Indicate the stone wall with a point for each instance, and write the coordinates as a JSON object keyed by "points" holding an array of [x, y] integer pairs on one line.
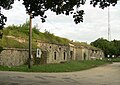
{"points": [[78, 53], [85, 53], [51, 53], [82, 53], [60, 53], [72, 53], [55, 53], [13, 57], [95, 54]]}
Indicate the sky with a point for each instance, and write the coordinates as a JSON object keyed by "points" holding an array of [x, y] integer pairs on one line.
{"points": [[95, 23]]}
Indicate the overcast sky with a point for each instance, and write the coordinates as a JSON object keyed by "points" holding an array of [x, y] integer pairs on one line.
{"points": [[95, 23]]}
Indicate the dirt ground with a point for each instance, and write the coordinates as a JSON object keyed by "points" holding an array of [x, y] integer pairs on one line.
{"points": [[103, 75]]}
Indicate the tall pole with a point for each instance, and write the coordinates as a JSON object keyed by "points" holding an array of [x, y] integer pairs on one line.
{"points": [[109, 31], [30, 42]]}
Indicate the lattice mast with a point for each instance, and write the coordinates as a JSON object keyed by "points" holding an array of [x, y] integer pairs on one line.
{"points": [[109, 31]]}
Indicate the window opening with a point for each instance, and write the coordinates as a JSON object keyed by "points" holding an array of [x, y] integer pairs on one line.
{"points": [[55, 56], [64, 56]]}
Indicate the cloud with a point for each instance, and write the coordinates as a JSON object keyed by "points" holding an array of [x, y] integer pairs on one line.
{"points": [[16, 15]]}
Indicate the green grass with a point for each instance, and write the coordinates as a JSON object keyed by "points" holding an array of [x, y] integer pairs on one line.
{"points": [[11, 43], [112, 59], [115, 59], [22, 31], [63, 67]]}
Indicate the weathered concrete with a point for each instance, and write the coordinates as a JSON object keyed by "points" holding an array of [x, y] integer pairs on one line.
{"points": [[104, 75]]}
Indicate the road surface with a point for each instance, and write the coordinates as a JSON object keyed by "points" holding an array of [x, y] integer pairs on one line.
{"points": [[103, 75]]}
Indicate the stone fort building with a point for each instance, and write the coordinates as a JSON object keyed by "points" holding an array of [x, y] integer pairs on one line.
{"points": [[56, 53], [50, 53]]}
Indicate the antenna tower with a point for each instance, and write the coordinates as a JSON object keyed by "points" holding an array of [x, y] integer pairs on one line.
{"points": [[109, 31]]}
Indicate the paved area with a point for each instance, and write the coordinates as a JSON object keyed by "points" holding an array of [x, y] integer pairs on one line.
{"points": [[103, 75]]}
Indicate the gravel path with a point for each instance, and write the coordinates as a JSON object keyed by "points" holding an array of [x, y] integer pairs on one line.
{"points": [[103, 75]]}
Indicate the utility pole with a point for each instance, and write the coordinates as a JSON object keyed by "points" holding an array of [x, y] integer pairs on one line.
{"points": [[30, 42]]}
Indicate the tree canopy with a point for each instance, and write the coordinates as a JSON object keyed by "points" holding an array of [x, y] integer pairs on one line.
{"points": [[5, 4], [39, 7], [109, 47]]}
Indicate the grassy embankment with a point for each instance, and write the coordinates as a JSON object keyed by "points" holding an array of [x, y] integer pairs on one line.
{"points": [[22, 32], [63, 67]]}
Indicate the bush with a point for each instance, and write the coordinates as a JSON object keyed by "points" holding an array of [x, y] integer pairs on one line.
{"points": [[1, 49]]}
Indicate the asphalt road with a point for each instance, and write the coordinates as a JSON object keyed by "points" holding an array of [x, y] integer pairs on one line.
{"points": [[103, 75]]}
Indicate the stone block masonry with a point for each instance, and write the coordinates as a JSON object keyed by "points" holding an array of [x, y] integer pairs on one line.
{"points": [[13, 57], [50, 53]]}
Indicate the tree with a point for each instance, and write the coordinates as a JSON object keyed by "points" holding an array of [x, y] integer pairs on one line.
{"points": [[103, 3], [102, 44], [2, 23], [39, 7], [116, 43], [5, 4], [109, 47]]}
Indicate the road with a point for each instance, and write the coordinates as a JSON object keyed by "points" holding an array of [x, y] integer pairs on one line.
{"points": [[103, 75]]}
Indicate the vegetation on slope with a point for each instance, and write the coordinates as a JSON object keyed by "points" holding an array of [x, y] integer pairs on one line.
{"points": [[22, 31], [109, 47], [85, 45], [12, 43]]}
